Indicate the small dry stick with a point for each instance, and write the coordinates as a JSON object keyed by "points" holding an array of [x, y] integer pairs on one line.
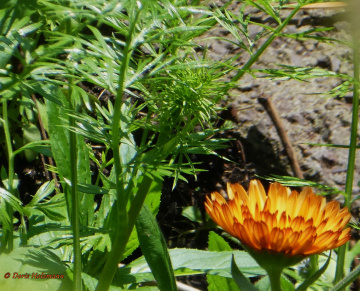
{"points": [[183, 287], [325, 5], [44, 137], [270, 109]]}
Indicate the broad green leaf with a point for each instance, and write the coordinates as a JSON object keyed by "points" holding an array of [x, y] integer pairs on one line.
{"points": [[33, 263], [42, 230], [263, 284], [84, 177], [214, 262], [30, 134], [127, 153], [192, 213], [132, 244], [83, 165], [91, 282], [286, 284], [54, 215], [218, 244], [47, 91], [153, 246], [42, 112], [59, 137], [191, 262], [60, 141]]}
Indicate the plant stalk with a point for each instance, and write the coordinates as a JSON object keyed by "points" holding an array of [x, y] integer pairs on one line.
{"points": [[259, 52], [75, 204], [354, 274], [8, 234], [124, 229], [274, 276], [354, 5], [121, 240]]}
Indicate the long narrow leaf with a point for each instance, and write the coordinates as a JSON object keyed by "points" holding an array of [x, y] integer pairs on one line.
{"points": [[242, 282], [304, 285], [11, 199], [154, 248]]}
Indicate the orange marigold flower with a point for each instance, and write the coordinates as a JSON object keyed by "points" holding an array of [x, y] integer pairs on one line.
{"points": [[282, 222]]}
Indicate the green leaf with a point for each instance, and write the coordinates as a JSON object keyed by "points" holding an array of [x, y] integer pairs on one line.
{"points": [[89, 189], [218, 244], [59, 137], [127, 154], [52, 208], [54, 215], [44, 191], [152, 200], [31, 263], [297, 182], [286, 285], [60, 141], [352, 254], [192, 213], [242, 282], [91, 282], [263, 284], [266, 6], [192, 262], [350, 278], [30, 134], [153, 246], [309, 281], [220, 283], [11, 199], [41, 147]]}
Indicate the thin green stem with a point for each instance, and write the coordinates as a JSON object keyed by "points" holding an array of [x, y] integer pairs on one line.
{"points": [[124, 229], [75, 203], [8, 145], [339, 273], [259, 52], [8, 234], [354, 124], [314, 265], [11, 171], [354, 274], [353, 138]]}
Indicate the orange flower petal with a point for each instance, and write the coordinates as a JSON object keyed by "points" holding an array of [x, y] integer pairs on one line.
{"points": [[291, 223]]}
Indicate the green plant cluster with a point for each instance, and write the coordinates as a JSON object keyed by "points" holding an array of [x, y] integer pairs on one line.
{"points": [[158, 105]]}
